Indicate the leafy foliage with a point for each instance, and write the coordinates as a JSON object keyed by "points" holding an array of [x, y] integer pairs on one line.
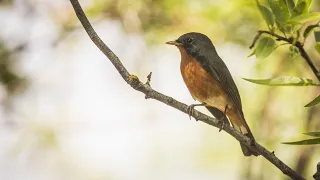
{"points": [[309, 29], [307, 141], [9, 77], [265, 47], [303, 18], [281, 12], [267, 15], [315, 134], [317, 47], [288, 17], [313, 102], [294, 51], [304, 142], [284, 81]]}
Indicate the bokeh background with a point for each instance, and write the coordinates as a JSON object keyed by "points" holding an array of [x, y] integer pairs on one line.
{"points": [[67, 114]]}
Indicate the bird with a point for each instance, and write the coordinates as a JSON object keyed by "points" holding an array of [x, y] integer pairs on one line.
{"points": [[209, 81]]}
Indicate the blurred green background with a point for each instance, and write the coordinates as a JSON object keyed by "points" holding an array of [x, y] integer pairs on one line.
{"points": [[67, 114]]}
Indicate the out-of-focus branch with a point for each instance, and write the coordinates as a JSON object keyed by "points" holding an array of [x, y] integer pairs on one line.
{"points": [[135, 83], [298, 44], [316, 176]]}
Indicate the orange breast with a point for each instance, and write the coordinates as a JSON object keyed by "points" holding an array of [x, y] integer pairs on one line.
{"points": [[201, 84]]}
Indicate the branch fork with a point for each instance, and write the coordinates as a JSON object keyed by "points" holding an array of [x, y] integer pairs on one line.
{"points": [[290, 40]]}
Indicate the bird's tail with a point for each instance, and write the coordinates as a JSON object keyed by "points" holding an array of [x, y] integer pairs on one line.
{"points": [[245, 130], [245, 150]]}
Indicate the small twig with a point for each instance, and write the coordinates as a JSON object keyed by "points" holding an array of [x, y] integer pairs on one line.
{"points": [[307, 58], [148, 83], [278, 37], [298, 44], [134, 82], [149, 79], [255, 39]]}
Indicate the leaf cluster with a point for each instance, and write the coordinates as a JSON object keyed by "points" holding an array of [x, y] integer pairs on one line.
{"points": [[289, 18]]}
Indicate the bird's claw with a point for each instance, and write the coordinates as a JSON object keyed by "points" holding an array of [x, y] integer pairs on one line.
{"points": [[252, 142], [223, 123], [223, 120], [190, 110]]}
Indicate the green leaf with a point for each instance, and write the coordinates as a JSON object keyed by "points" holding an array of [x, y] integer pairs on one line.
{"points": [[274, 4], [284, 81], [253, 53], [315, 134], [265, 46], [294, 51], [266, 14], [281, 12], [302, 6], [313, 102], [298, 34], [286, 12], [309, 29], [291, 5], [304, 142], [305, 18], [284, 8], [317, 47]]}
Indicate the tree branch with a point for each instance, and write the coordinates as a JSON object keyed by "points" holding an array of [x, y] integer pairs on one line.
{"points": [[135, 83], [298, 44]]}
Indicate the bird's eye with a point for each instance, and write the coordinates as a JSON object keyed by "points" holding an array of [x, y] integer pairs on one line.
{"points": [[189, 40]]}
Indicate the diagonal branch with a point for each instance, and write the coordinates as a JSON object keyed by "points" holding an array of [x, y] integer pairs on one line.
{"points": [[298, 44], [135, 83]]}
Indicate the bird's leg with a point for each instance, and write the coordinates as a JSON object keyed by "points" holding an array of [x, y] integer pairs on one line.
{"points": [[223, 119], [191, 108]]}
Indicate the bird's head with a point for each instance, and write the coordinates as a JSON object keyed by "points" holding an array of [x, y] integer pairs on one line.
{"points": [[193, 43]]}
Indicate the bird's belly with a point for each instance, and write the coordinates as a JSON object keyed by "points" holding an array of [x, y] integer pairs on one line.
{"points": [[203, 86]]}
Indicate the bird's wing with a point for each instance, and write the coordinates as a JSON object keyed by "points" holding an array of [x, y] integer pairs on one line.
{"points": [[220, 72], [218, 69]]}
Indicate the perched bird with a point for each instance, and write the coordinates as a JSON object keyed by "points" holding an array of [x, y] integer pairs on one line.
{"points": [[210, 82]]}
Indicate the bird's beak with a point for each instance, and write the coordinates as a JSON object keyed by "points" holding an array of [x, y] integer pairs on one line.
{"points": [[174, 43]]}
